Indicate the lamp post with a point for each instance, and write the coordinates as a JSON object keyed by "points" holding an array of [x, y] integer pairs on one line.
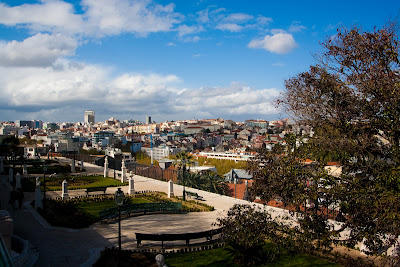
{"points": [[183, 180], [114, 166], [44, 185], [119, 201]]}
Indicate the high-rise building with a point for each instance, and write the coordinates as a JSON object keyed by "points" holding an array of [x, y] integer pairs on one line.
{"points": [[89, 117], [148, 120]]}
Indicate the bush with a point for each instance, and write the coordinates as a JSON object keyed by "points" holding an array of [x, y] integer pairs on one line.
{"points": [[245, 229]]}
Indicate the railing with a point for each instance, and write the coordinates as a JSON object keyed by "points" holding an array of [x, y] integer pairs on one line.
{"points": [[154, 172]]}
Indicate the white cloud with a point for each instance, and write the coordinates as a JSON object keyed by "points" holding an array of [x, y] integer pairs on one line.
{"points": [[46, 16], [65, 91], [101, 17], [221, 19], [261, 20], [185, 30], [238, 17], [191, 39], [279, 43], [141, 17], [296, 27], [237, 99], [232, 27], [40, 50]]}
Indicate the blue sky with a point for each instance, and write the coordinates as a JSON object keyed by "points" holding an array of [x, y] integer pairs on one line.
{"points": [[172, 60]]}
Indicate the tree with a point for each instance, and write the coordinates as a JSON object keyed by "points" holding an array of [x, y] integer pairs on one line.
{"points": [[183, 161], [352, 101], [244, 229], [212, 182]]}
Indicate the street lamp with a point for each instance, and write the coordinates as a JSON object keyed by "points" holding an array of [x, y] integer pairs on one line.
{"points": [[183, 180], [119, 201], [44, 185]]}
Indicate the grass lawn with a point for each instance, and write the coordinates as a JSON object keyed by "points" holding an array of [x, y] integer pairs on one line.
{"points": [[93, 208], [54, 184], [83, 212], [222, 257]]}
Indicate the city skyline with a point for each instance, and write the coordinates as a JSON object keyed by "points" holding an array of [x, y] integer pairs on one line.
{"points": [[174, 60]]}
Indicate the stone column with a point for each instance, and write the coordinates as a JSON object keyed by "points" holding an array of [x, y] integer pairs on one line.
{"points": [[131, 184], [170, 188], [1, 165], [25, 170], [11, 175], [18, 181], [73, 166], [123, 171], [105, 166], [65, 194], [82, 165], [38, 195]]}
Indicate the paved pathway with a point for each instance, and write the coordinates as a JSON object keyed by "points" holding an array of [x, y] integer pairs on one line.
{"points": [[66, 247]]}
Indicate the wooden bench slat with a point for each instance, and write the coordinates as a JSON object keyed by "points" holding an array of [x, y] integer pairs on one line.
{"points": [[172, 237]]}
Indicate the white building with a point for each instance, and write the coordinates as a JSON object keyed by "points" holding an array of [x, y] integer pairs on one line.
{"points": [[89, 117], [161, 151]]}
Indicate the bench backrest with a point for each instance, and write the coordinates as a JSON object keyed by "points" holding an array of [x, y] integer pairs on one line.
{"points": [[171, 237]]}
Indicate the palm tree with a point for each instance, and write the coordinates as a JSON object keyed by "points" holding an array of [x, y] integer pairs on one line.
{"points": [[183, 161], [212, 182]]}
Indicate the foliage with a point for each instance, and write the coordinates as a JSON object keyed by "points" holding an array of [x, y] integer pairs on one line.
{"points": [[207, 181], [8, 145], [90, 151], [351, 100], [245, 229], [66, 214], [111, 257], [223, 166], [223, 257], [141, 157]]}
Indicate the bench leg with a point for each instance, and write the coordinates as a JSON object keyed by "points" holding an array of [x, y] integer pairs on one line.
{"points": [[162, 244]]}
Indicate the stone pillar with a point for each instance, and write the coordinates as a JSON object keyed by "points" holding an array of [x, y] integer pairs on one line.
{"points": [[73, 166], [82, 165], [131, 184], [11, 175], [38, 195], [170, 188], [105, 166], [25, 170], [1, 165], [65, 194], [123, 171], [18, 181]]}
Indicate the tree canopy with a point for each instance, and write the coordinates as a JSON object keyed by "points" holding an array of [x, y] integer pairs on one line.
{"points": [[351, 99]]}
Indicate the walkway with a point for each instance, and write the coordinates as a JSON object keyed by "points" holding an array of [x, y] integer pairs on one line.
{"points": [[67, 247]]}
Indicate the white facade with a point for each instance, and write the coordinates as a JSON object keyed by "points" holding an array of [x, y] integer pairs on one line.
{"points": [[229, 156], [89, 117], [161, 152]]}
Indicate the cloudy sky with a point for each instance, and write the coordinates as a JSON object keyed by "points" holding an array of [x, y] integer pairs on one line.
{"points": [[169, 59]]}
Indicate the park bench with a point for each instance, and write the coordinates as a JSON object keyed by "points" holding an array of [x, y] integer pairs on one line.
{"points": [[95, 189], [129, 209], [195, 195], [172, 237]]}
